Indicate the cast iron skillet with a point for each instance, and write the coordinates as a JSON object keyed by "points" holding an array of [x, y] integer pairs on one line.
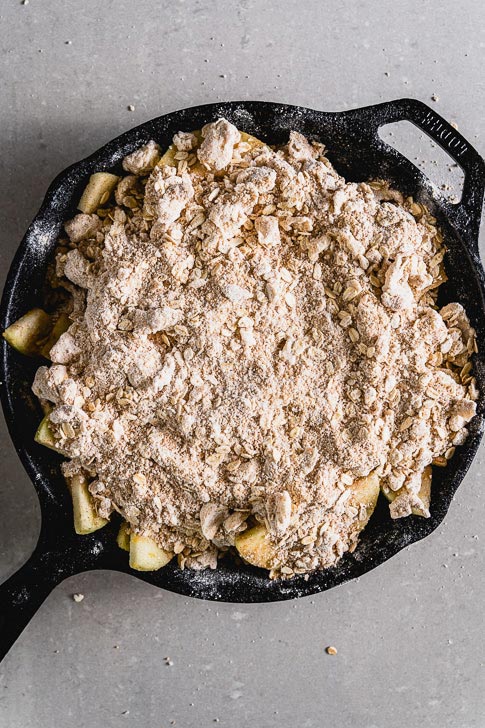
{"points": [[356, 150]]}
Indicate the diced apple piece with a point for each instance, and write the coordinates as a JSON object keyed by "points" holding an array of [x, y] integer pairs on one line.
{"points": [[169, 157], [424, 493], [45, 437], [253, 142], [86, 520], [255, 547], [146, 554], [123, 538], [97, 191], [27, 334], [365, 492], [425, 490], [60, 327], [35, 333]]}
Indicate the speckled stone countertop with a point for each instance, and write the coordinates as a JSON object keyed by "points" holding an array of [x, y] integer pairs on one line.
{"points": [[409, 635]]}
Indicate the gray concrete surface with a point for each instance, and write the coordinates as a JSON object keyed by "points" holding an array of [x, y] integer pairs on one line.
{"points": [[410, 634]]}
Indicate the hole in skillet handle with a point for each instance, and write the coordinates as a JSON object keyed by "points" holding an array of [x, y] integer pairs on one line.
{"points": [[444, 173], [464, 216]]}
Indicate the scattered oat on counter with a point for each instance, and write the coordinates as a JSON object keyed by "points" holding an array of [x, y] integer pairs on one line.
{"points": [[435, 97], [78, 597], [130, 107], [331, 650]]}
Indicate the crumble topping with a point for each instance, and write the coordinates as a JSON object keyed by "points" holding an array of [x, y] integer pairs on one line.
{"points": [[248, 342]]}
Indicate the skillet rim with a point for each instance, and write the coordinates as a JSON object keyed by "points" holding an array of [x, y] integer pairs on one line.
{"points": [[262, 589]]}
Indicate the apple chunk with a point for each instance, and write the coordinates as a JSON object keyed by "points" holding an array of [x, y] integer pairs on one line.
{"points": [[365, 492], [123, 538], [97, 192], [424, 493], [146, 554], [86, 520], [44, 436], [26, 335], [255, 547]]}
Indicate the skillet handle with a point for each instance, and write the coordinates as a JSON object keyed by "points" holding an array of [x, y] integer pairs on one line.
{"points": [[23, 593], [465, 215]]}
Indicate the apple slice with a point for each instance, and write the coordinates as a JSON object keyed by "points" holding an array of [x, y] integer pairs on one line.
{"points": [[168, 159], [86, 520], [27, 334], [97, 192], [123, 538], [365, 492], [60, 327], [424, 493], [255, 547], [146, 554], [44, 436]]}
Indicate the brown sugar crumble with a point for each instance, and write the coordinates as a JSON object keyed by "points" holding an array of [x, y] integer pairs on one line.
{"points": [[251, 334]]}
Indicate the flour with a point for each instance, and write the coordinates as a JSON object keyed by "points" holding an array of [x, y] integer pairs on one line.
{"points": [[218, 140], [248, 342]]}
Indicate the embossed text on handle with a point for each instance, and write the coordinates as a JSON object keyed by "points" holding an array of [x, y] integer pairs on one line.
{"points": [[441, 132]]}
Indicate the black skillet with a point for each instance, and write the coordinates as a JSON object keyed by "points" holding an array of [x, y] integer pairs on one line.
{"points": [[356, 150]]}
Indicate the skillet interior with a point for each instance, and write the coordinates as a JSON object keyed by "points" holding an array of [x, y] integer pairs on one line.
{"points": [[358, 154]]}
